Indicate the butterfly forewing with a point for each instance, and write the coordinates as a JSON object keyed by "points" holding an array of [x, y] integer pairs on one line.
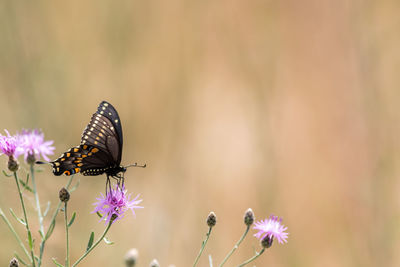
{"points": [[100, 149]]}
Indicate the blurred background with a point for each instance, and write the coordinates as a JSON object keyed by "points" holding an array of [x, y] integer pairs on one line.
{"points": [[287, 107]]}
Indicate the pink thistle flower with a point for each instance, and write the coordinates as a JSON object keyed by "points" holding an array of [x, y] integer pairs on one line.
{"points": [[271, 228], [32, 142], [10, 145], [113, 206]]}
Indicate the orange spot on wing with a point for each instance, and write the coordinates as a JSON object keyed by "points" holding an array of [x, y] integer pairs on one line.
{"points": [[94, 150], [67, 173], [77, 170]]}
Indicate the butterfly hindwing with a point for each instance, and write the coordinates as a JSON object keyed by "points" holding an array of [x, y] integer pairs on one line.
{"points": [[82, 159]]}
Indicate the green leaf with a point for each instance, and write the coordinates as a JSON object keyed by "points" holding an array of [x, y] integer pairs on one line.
{"points": [[50, 230], [72, 219], [108, 242], [19, 259], [30, 240], [56, 263], [6, 174], [26, 186], [41, 234], [18, 219], [99, 214], [74, 187], [47, 209], [90, 243]]}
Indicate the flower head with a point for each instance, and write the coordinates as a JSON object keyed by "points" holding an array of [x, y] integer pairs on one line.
{"points": [[271, 228], [113, 206], [33, 144], [10, 145]]}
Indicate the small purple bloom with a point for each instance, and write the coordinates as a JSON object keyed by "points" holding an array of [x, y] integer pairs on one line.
{"points": [[116, 202], [10, 145], [272, 228], [32, 142]]}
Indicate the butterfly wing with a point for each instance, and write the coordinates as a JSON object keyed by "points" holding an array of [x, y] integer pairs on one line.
{"points": [[85, 159], [101, 145], [105, 132]]}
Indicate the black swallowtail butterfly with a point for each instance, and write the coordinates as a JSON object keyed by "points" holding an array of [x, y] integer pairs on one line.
{"points": [[100, 149]]}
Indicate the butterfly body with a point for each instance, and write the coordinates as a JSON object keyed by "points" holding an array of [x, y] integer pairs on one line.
{"points": [[100, 150]]}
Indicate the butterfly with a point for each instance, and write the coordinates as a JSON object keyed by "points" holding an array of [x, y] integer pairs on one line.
{"points": [[100, 150]]}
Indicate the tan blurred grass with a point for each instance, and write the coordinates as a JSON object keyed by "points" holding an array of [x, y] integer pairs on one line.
{"points": [[287, 107]]}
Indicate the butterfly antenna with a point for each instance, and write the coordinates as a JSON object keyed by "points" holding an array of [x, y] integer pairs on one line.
{"points": [[42, 162], [137, 165]]}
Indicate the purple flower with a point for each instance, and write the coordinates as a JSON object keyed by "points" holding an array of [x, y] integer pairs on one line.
{"points": [[272, 228], [10, 145], [32, 142], [115, 203]]}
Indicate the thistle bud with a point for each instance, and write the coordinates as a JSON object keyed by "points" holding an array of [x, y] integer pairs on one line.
{"points": [[64, 195], [249, 217], [31, 159], [13, 165], [14, 263], [211, 219], [266, 242], [113, 217], [154, 263], [131, 257]]}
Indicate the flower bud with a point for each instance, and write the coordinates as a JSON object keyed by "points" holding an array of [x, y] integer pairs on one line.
{"points": [[154, 263], [266, 242], [131, 257], [64, 195], [249, 217], [113, 217], [31, 159], [13, 165], [14, 263], [211, 219]]}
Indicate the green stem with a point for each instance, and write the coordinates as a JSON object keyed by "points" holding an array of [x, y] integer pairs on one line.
{"points": [[93, 246], [66, 231], [252, 258], [26, 220], [203, 245], [14, 233], [39, 211], [37, 199], [236, 246], [53, 218]]}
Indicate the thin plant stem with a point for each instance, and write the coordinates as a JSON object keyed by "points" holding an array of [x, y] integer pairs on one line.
{"points": [[66, 232], [14, 233], [236, 246], [203, 245], [53, 219], [252, 258], [95, 244], [37, 199], [26, 220]]}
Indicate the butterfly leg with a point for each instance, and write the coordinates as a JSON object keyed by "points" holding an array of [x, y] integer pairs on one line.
{"points": [[108, 185]]}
